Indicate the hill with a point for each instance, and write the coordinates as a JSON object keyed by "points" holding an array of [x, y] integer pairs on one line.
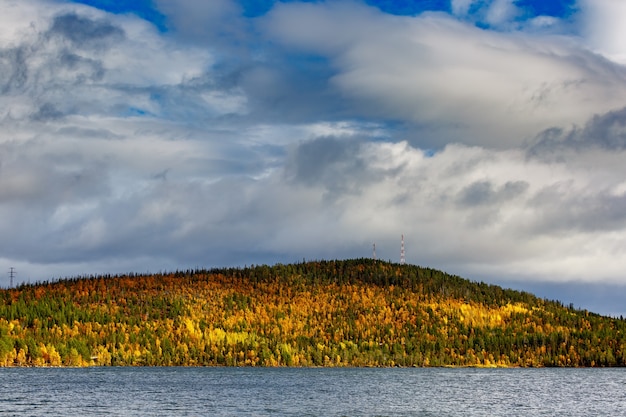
{"points": [[325, 313]]}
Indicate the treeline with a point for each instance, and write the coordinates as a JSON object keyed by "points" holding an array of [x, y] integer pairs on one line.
{"points": [[325, 313]]}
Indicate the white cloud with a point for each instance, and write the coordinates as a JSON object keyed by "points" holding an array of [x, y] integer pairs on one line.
{"points": [[603, 27], [501, 12], [94, 111], [466, 84], [495, 14], [475, 210], [461, 8]]}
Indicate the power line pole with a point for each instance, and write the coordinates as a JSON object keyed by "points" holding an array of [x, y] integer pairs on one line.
{"points": [[12, 275]]}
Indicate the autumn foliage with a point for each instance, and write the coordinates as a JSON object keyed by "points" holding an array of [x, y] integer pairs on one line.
{"points": [[325, 313]]}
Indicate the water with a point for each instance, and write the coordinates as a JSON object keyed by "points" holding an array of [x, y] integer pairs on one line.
{"points": [[312, 392]]}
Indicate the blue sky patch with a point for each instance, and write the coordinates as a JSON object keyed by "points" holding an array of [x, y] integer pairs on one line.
{"points": [[142, 8], [253, 8], [555, 8]]}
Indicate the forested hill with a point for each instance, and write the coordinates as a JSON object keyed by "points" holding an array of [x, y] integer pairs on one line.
{"points": [[325, 313]]}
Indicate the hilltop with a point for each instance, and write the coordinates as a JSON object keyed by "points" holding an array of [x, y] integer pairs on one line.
{"points": [[322, 313]]}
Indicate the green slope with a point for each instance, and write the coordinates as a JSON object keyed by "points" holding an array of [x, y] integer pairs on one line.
{"points": [[324, 313]]}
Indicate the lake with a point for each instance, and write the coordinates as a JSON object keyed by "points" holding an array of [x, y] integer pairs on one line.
{"points": [[311, 392]]}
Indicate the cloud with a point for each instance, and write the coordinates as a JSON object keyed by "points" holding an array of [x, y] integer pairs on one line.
{"points": [[87, 108], [83, 32], [509, 15], [483, 192], [204, 22], [482, 211], [451, 80], [501, 12], [603, 132], [603, 28], [330, 162], [462, 7], [310, 132], [84, 64], [494, 13]]}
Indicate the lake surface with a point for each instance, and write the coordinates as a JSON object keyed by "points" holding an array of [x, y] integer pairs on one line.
{"points": [[312, 392]]}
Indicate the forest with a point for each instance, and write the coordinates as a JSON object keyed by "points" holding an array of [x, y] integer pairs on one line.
{"points": [[353, 313]]}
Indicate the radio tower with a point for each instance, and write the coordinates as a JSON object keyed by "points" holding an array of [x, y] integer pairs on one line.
{"points": [[402, 258], [374, 252], [11, 275]]}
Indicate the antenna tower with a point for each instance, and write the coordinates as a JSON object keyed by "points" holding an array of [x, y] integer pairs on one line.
{"points": [[402, 257], [11, 275], [374, 252]]}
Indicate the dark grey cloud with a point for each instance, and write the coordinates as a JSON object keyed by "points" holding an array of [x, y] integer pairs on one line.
{"points": [[294, 89], [605, 131], [335, 164], [325, 159], [563, 209], [50, 67], [216, 22], [28, 178], [13, 69], [79, 132], [486, 193], [87, 69], [84, 32], [47, 111]]}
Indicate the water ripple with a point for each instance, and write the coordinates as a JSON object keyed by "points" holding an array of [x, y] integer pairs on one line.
{"points": [[261, 392]]}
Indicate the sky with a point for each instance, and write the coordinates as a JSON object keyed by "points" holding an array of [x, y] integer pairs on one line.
{"points": [[148, 136]]}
